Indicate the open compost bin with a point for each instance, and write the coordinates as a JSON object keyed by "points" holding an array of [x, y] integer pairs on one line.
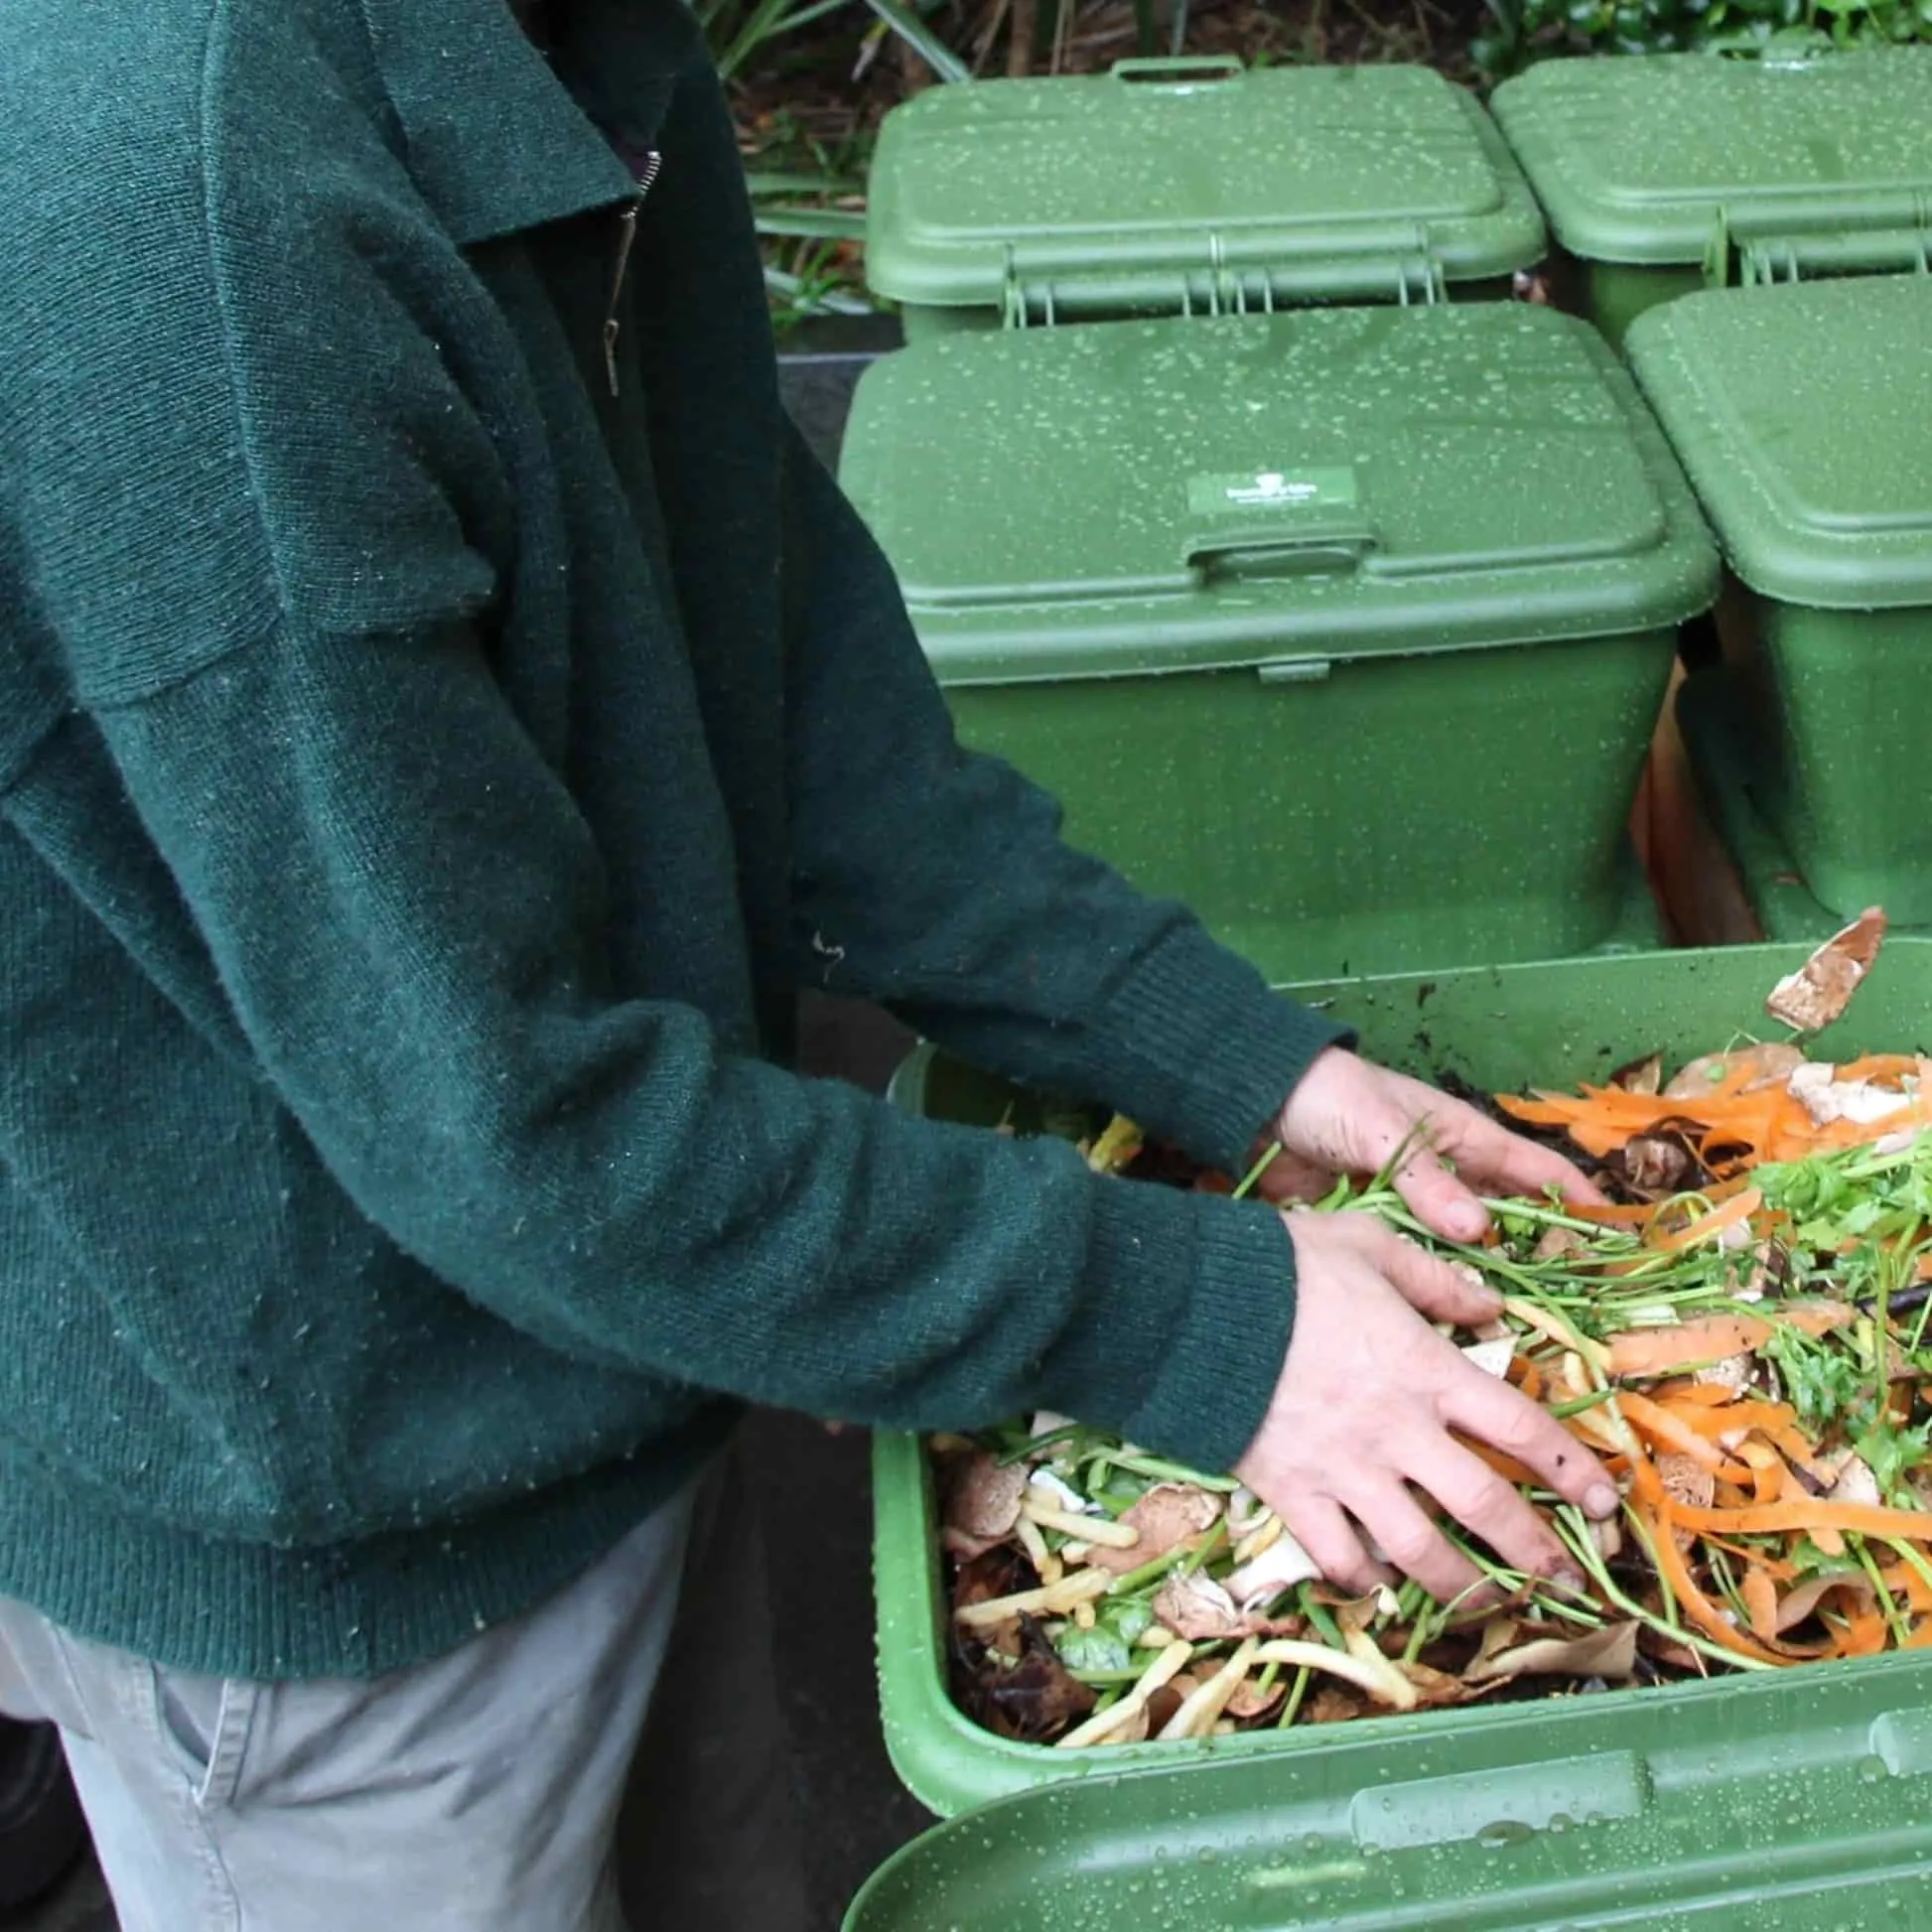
{"points": [[1784, 1798]]}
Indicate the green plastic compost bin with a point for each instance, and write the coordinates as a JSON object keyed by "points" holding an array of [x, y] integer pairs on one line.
{"points": [[1666, 175], [1349, 625], [1191, 187], [1784, 1806], [1778, 897], [1797, 1799], [1803, 414]]}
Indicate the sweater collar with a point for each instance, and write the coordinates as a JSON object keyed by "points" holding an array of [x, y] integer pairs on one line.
{"points": [[501, 138]]}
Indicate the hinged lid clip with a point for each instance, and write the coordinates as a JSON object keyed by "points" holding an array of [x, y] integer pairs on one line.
{"points": [[1223, 286], [1897, 241]]}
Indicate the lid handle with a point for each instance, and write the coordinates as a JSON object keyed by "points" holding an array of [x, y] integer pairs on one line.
{"points": [[1179, 69], [1334, 550]]}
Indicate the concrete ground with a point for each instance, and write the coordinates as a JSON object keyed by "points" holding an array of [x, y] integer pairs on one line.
{"points": [[817, 1493]]}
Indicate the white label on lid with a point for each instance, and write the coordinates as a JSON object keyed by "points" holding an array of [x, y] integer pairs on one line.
{"points": [[1285, 490]]}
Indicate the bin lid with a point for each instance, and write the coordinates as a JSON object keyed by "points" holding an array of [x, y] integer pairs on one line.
{"points": [[1648, 161], [1257, 490], [1804, 416], [1767, 1804], [1166, 166]]}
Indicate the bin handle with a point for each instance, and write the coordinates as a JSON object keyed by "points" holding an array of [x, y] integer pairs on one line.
{"points": [[1178, 70], [1243, 554]]}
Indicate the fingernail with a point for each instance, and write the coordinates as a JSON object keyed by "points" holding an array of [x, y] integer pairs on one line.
{"points": [[1600, 1500], [1571, 1580]]}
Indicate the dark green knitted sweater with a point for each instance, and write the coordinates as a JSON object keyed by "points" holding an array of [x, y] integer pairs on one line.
{"points": [[445, 715]]}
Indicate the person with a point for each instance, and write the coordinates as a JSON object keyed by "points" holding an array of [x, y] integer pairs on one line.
{"points": [[447, 715]]}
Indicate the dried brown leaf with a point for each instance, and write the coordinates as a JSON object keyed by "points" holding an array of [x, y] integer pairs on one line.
{"points": [[1436, 1690], [1640, 1076], [1036, 1700], [1802, 1599], [1330, 1706], [1609, 1652], [1250, 1702], [984, 1578]]}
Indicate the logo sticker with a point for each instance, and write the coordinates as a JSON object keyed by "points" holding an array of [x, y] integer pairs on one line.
{"points": [[1271, 490]]}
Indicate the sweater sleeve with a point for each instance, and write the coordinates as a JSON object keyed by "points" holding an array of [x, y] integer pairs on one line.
{"points": [[935, 879], [403, 907]]}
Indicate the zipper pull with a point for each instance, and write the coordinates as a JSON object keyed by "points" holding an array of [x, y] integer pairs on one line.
{"points": [[627, 240]]}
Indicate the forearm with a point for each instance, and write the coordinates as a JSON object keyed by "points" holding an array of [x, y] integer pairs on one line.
{"points": [[936, 881]]}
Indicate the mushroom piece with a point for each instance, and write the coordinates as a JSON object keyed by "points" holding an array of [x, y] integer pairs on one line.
{"points": [[1168, 1515]]}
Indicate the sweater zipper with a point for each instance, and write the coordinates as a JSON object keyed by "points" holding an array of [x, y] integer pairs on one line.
{"points": [[626, 237]]}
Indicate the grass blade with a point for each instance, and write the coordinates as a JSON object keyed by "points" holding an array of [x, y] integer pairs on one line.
{"points": [[922, 40], [764, 182], [816, 223]]}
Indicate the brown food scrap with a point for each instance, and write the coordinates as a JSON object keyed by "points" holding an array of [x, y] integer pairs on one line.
{"points": [[1250, 1702], [1169, 1699], [1198, 1609], [1556, 1242], [1034, 1700], [1436, 1690], [1332, 1706], [1656, 1163], [1168, 1515], [1822, 988], [1640, 1076], [996, 1573], [1608, 1652], [1733, 1372], [983, 1499], [1767, 1065], [1801, 1602], [1686, 1481]]}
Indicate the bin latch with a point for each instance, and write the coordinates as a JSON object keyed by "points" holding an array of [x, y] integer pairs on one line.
{"points": [[1746, 251], [1221, 283]]}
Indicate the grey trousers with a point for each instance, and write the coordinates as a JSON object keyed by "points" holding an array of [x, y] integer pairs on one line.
{"points": [[608, 1761]]}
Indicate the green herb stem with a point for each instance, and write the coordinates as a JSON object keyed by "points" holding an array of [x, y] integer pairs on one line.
{"points": [[1296, 1693]]}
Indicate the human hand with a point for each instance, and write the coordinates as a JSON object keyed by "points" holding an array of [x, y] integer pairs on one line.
{"points": [[1349, 1116], [1364, 1409]]}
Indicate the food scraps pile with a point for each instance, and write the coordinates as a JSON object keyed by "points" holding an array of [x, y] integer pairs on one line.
{"points": [[1742, 1336]]}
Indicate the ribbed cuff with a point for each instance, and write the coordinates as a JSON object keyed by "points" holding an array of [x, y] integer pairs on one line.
{"points": [[1200, 1051], [1181, 1338]]}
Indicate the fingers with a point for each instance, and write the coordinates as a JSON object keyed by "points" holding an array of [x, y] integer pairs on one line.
{"points": [[1494, 1413], [1441, 1201], [1493, 1510], [1428, 1283], [1506, 1162], [1291, 1177], [1403, 1531], [1323, 1530]]}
